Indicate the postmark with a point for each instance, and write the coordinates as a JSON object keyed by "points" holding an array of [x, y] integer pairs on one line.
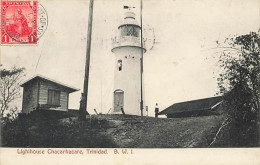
{"points": [[42, 21], [23, 22]]}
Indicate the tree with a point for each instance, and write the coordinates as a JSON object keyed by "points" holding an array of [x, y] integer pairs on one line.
{"points": [[239, 84], [10, 91]]}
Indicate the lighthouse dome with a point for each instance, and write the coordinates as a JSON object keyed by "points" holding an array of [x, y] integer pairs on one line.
{"points": [[129, 19], [130, 14]]}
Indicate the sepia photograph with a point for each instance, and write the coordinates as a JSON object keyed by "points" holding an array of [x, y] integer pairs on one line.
{"points": [[107, 76]]}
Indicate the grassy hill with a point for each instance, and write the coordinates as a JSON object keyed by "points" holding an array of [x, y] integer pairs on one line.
{"points": [[107, 131]]}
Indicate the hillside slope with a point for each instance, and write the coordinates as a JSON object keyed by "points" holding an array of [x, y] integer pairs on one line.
{"points": [[112, 131], [146, 132]]}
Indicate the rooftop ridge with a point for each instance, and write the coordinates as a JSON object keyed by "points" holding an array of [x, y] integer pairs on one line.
{"points": [[48, 79], [197, 100]]}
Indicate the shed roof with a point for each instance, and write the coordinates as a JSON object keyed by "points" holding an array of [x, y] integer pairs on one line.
{"points": [[194, 105], [40, 77]]}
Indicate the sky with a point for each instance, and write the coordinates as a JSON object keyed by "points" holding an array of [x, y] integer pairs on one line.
{"points": [[179, 64]]}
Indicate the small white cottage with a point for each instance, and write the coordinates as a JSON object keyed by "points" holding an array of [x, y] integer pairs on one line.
{"points": [[40, 92]]}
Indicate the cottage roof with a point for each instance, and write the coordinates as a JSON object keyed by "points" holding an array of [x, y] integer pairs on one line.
{"points": [[40, 77], [194, 105]]}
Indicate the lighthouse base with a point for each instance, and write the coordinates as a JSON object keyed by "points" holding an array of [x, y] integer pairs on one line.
{"points": [[116, 113]]}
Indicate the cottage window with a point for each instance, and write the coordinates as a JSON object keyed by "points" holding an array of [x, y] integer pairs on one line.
{"points": [[53, 97]]}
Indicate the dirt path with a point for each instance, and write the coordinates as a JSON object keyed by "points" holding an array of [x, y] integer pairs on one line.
{"points": [[145, 132]]}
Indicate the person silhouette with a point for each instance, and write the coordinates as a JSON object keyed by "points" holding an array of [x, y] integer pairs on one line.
{"points": [[156, 110]]}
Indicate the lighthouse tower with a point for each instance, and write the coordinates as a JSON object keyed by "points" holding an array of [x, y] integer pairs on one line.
{"points": [[128, 52]]}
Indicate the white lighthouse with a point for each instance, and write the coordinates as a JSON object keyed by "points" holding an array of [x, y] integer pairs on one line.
{"points": [[128, 52]]}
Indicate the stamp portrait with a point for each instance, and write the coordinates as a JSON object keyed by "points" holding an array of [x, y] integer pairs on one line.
{"points": [[19, 22]]}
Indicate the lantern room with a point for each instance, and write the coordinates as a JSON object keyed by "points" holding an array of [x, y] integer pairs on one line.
{"points": [[129, 33], [130, 26]]}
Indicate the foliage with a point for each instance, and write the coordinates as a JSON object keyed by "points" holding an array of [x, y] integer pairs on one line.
{"points": [[41, 131], [10, 91], [239, 85], [10, 116]]}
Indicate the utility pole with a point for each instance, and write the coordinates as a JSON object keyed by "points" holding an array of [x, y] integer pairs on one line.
{"points": [[83, 102], [141, 60]]}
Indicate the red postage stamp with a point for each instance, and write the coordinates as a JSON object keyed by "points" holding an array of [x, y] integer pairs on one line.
{"points": [[19, 22]]}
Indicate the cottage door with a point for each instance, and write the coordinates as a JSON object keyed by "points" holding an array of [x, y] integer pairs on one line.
{"points": [[118, 100]]}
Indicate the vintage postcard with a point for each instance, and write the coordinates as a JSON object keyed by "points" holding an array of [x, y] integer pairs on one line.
{"points": [[130, 82]]}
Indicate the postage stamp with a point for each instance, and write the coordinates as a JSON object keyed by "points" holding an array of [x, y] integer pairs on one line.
{"points": [[19, 22]]}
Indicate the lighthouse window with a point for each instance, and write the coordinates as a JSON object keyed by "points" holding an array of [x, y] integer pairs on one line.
{"points": [[130, 31], [119, 65]]}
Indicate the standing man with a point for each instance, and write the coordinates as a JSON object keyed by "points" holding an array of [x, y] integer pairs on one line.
{"points": [[156, 110], [22, 19]]}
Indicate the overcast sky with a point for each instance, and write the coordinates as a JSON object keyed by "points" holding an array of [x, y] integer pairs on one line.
{"points": [[178, 65]]}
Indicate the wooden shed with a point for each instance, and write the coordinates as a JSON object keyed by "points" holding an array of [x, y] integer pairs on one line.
{"points": [[40, 92], [201, 107]]}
